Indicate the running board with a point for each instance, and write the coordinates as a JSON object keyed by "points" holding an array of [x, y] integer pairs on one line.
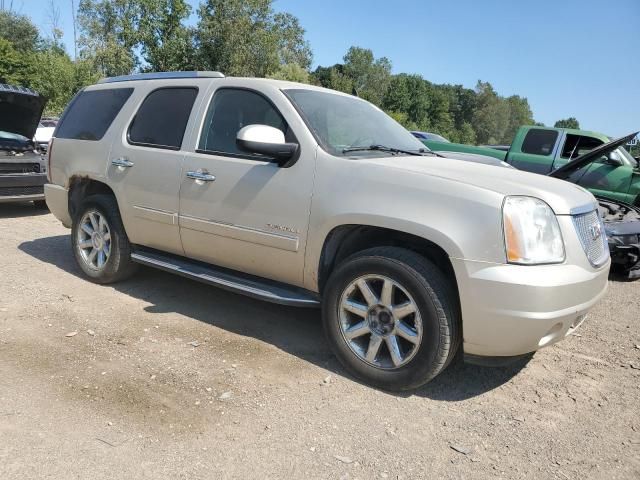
{"points": [[244, 284]]}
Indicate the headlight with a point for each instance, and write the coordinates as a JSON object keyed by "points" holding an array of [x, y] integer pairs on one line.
{"points": [[531, 232]]}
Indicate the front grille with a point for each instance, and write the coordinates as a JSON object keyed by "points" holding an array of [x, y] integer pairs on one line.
{"points": [[592, 237], [16, 191], [19, 168]]}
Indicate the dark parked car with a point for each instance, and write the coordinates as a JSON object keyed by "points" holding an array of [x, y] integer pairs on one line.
{"points": [[23, 169]]}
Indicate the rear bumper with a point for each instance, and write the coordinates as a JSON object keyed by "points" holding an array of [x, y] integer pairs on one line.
{"points": [[22, 187], [511, 310], [58, 202]]}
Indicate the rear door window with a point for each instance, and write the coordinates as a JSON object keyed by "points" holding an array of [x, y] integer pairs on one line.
{"points": [[539, 141], [162, 118], [91, 113]]}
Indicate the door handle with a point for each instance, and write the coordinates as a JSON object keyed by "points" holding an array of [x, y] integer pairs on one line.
{"points": [[122, 162], [201, 176]]}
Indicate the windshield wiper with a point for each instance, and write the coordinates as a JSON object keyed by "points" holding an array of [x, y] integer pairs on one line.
{"points": [[381, 148]]}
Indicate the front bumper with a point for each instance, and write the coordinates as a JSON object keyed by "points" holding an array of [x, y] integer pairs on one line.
{"points": [[510, 310], [22, 187]]}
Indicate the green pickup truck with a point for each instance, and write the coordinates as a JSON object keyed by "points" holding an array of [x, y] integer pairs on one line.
{"points": [[543, 150]]}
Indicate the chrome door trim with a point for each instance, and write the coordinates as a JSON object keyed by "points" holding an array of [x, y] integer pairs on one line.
{"points": [[246, 234], [155, 215]]}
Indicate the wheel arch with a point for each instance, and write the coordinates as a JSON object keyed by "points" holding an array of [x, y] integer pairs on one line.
{"points": [[345, 240], [80, 187]]}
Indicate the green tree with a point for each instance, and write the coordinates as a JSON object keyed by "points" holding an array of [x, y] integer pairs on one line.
{"points": [[570, 122], [20, 31], [292, 72], [332, 77], [165, 42], [403, 119], [109, 34], [398, 97], [440, 119], [247, 38], [489, 117], [370, 77], [464, 134], [14, 67], [519, 114]]}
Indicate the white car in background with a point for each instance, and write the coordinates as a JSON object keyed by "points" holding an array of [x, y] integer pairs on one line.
{"points": [[44, 132]]}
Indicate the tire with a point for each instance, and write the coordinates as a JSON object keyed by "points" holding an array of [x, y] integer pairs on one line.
{"points": [[112, 261], [433, 327], [40, 204]]}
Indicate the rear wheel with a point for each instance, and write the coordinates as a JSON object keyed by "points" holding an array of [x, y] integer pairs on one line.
{"points": [[391, 317], [100, 243]]}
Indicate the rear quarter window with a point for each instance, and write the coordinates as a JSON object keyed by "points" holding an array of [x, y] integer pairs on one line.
{"points": [[162, 118], [91, 113], [539, 141]]}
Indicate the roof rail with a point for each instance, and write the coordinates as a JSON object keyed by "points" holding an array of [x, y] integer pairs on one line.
{"points": [[161, 76]]}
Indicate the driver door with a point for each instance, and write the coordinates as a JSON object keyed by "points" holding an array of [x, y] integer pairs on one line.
{"points": [[249, 214]]}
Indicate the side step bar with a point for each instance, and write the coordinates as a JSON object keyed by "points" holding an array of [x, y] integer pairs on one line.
{"points": [[249, 285]]}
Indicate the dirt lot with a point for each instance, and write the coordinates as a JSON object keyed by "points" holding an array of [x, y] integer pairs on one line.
{"points": [[160, 377]]}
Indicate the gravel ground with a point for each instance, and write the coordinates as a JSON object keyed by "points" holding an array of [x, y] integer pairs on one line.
{"points": [[161, 377]]}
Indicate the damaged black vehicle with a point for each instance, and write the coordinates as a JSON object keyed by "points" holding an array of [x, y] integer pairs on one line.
{"points": [[23, 168], [622, 225], [621, 220]]}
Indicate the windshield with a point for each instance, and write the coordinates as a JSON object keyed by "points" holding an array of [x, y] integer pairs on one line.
{"points": [[341, 122]]}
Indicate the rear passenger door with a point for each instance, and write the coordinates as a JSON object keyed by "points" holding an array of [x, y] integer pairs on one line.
{"points": [[144, 166]]}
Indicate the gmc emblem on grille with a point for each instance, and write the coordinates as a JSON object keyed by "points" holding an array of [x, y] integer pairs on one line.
{"points": [[596, 231]]}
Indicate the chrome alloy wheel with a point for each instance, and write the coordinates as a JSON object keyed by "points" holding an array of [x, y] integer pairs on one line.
{"points": [[380, 321], [94, 239]]}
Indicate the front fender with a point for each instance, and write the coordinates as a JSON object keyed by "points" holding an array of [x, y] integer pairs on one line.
{"points": [[462, 219]]}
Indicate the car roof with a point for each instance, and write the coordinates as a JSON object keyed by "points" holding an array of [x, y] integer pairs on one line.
{"points": [[160, 79]]}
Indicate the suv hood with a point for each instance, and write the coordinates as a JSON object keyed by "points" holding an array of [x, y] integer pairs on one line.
{"points": [[561, 196], [567, 169], [20, 110]]}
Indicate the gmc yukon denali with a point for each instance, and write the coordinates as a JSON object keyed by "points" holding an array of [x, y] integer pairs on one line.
{"points": [[304, 196]]}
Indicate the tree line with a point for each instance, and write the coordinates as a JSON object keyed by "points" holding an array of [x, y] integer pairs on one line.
{"points": [[241, 38]]}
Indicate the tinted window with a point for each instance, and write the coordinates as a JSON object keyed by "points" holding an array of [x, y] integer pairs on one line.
{"points": [[539, 142], [91, 112], [162, 118], [229, 111]]}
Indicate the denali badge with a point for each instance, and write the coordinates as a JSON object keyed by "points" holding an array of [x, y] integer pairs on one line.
{"points": [[595, 230], [282, 228]]}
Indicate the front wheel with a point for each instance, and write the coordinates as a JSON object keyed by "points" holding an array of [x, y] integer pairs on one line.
{"points": [[391, 317], [99, 241]]}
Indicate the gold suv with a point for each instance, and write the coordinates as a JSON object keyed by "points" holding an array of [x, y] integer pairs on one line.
{"points": [[305, 196]]}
